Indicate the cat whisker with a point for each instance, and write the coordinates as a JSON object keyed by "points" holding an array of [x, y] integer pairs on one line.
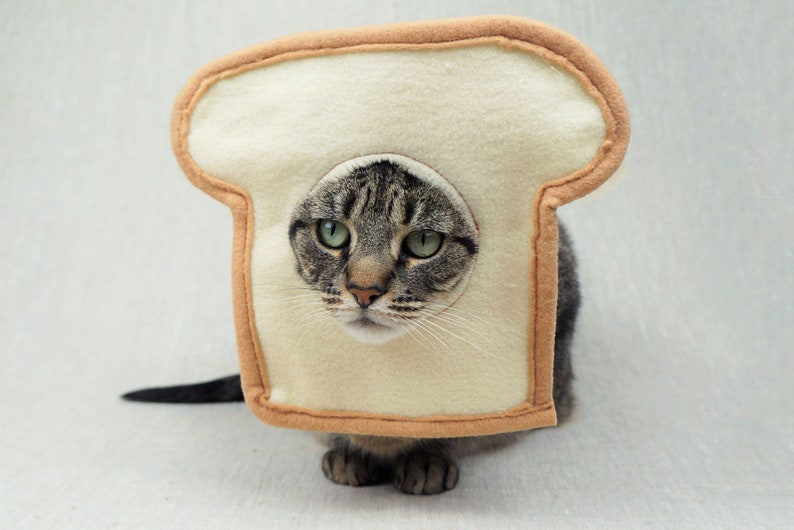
{"points": [[282, 287], [420, 325], [470, 321], [313, 315], [302, 304], [413, 330], [310, 326], [317, 317], [461, 313], [408, 330], [307, 296], [463, 324], [462, 339]]}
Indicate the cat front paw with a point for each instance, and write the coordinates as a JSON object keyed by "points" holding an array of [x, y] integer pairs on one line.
{"points": [[352, 468], [425, 474]]}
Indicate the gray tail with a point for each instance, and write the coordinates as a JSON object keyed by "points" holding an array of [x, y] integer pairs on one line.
{"points": [[217, 391]]}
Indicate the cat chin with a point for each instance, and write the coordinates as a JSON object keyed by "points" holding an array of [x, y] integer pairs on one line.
{"points": [[369, 332]]}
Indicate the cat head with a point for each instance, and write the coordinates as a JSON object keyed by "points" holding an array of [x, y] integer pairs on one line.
{"points": [[386, 243]]}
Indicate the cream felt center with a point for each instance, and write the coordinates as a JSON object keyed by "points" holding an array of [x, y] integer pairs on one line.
{"points": [[494, 122]]}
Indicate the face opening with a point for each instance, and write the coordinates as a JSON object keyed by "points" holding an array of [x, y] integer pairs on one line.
{"points": [[386, 242]]}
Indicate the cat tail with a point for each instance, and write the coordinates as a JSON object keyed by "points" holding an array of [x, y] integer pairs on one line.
{"points": [[220, 390]]}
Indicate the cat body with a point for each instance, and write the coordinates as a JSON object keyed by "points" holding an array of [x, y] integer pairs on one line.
{"points": [[385, 251]]}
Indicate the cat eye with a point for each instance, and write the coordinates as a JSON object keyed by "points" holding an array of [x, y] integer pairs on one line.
{"points": [[333, 233], [423, 243]]}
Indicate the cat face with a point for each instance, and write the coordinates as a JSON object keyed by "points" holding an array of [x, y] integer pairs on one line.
{"points": [[383, 247]]}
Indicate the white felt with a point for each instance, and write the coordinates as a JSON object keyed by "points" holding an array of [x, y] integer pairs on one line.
{"points": [[496, 123]]}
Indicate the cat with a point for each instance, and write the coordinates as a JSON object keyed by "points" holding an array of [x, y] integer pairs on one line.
{"points": [[384, 250]]}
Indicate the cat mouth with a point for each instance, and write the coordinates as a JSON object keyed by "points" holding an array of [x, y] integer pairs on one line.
{"points": [[366, 329], [364, 322]]}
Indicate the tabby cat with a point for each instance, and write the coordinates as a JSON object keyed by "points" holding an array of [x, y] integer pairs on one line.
{"points": [[385, 250]]}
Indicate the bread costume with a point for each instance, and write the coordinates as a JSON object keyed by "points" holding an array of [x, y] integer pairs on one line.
{"points": [[515, 116]]}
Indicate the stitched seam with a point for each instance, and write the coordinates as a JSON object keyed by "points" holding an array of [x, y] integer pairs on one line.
{"points": [[292, 410]]}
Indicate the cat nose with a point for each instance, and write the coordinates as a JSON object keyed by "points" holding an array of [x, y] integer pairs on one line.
{"points": [[365, 295]]}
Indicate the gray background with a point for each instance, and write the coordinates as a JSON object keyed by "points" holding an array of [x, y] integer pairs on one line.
{"points": [[114, 273]]}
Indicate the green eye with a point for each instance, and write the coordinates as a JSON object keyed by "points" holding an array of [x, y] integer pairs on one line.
{"points": [[333, 233], [423, 243]]}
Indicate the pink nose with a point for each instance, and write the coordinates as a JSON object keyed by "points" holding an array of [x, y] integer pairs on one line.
{"points": [[365, 296]]}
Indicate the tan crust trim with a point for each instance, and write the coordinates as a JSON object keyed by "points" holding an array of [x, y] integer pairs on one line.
{"points": [[526, 416], [252, 365], [509, 32]]}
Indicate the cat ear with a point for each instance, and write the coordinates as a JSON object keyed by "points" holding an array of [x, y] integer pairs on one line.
{"points": [[517, 116]]}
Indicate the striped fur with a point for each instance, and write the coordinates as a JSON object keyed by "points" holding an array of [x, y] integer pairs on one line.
{"points": [[381, 204]]}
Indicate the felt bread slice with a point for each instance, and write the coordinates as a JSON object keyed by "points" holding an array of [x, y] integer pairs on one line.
{"points": [[515, 117]]}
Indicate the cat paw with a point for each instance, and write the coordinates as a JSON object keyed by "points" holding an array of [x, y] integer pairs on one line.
{"points": [[425, 474], [351, 468]]}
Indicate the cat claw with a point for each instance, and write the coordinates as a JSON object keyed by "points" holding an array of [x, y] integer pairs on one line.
{"points": [[425, 474]]}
